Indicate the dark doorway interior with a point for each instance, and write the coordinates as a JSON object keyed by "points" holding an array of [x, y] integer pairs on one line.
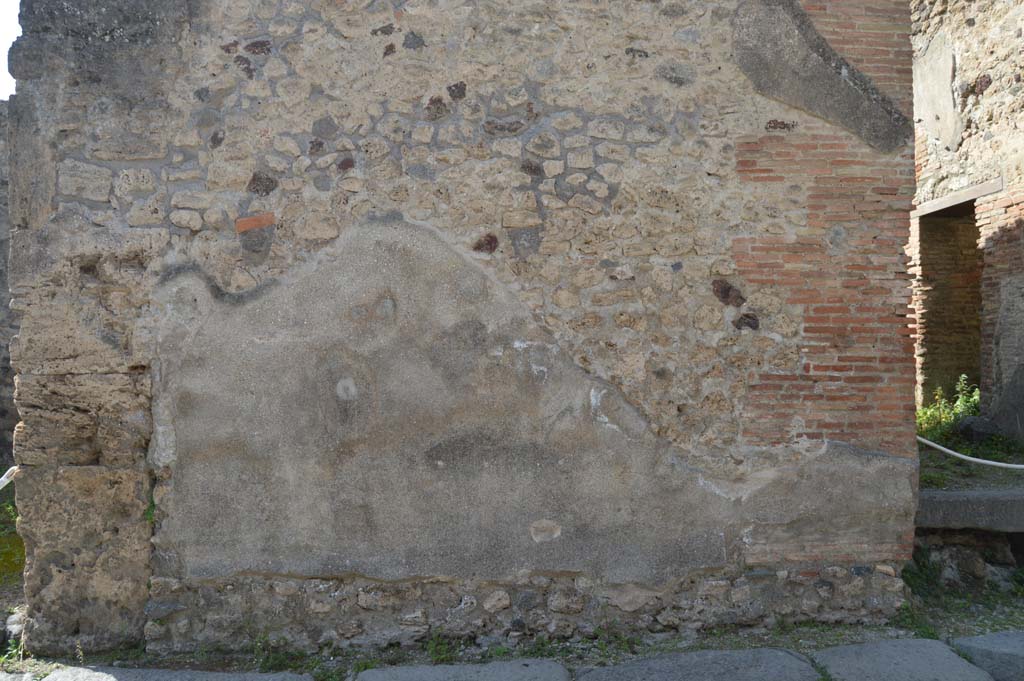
{"points": [[949, 300]]}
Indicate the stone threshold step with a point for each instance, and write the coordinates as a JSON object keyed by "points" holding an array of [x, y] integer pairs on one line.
{"points": [[999, 510]]}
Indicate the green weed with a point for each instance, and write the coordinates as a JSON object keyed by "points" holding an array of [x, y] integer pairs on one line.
{"points": [[541, 646], [365, 664], [613, 645], [15, 652], [1017, 579], [270, 658], [924, 576], [938, 422], [440, 649], [332, 674], [150, 512], [8, 519], [911, 618], [498, 653]]}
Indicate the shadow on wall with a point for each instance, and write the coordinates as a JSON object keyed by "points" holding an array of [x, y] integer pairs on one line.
{"points": [[1004, 316]]}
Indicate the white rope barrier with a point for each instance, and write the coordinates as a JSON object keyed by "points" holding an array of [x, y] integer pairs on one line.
{"points": [[9, 476], [983, 462]]}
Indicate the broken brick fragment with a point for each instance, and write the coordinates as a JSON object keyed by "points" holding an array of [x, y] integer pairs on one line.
{"points": [[252, 222]]}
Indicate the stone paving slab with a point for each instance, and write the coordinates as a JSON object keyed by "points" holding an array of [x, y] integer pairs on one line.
{"points": [[516, 670], [112, 674], [710, 665], [4, 676], [900, 660], [1001, 655]]}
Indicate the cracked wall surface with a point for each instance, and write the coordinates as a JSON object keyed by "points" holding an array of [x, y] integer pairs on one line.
{"points": [[482, 318], [968, 114]]}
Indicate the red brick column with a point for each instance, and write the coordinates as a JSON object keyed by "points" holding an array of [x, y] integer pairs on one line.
{"points": [[843, 272]]}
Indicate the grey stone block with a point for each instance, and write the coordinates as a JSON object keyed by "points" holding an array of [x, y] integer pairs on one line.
{"points": [[992, 510], [1001, 655], [111, 674], [711, 665], [905, 660], [778, 48], [517, 670]]}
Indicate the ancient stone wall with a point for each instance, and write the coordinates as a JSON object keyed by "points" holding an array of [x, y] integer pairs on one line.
{"points": [[8, 324], [969, 97], [347, 324]]}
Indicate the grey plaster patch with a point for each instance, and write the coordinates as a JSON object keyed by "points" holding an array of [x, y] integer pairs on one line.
{"points": [[934, 104], [525, 242], [256, 243], [906, 660], [710, 665], [111, 674], [518, 670], [458, 425], [413, 41], [1001, 654], [780, 51]]}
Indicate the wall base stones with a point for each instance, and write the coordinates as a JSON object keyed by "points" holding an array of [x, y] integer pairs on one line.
{"points": [[321, 614], [971, 559]]}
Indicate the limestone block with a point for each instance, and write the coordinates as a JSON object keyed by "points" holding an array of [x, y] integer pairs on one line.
{"points": [[545, 145], [148, 211], [187, 219], [84, 180], [83, 419], [134, 181], [92, 518]]}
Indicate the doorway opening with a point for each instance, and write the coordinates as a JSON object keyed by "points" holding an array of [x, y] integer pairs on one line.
{"points": [[947, 297]]}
